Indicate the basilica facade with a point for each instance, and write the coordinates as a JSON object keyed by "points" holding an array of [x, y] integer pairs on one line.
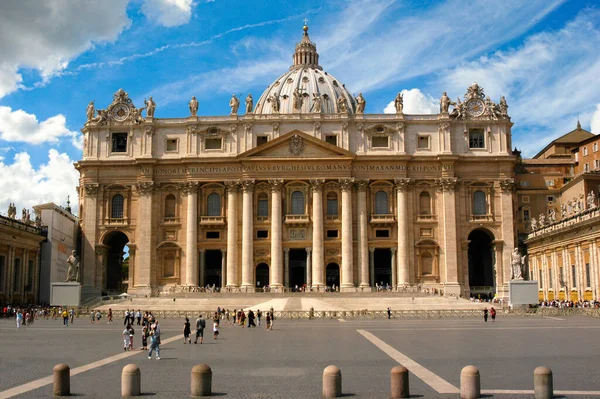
{"points": [[299, 189]]}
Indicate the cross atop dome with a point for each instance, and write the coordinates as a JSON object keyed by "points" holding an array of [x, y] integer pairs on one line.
{"points": [[306, 51]]}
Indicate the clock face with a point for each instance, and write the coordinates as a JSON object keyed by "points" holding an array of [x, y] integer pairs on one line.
{"points": [[120, 112], [475, 107]]}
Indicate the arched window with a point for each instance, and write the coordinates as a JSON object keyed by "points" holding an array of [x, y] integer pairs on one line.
{"points": [[170, 203], [263, 205], [479, 204], [332, 204], [213, 205], [116, 209], [297, 203], [425, 203], [381, 203]]}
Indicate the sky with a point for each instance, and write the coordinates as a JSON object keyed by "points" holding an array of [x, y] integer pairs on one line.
{"points": [[58, 55]]}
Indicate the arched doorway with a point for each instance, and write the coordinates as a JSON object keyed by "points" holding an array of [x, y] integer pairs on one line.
{"points": [[481, 264], [261, 275], [114, 270], [332, 275]]}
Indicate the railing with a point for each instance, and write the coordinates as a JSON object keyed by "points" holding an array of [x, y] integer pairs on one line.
{"points": [[119, 221], [296, 219], [382, 218], [212, 220], [426, 218], [482, 218], [19, 225], [262, 218], [171, 220]]}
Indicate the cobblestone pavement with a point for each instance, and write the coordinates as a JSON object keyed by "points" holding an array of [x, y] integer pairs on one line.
{"points": [[288, 362]]}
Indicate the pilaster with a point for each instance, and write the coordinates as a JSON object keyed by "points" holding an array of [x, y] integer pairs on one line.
{"points": [[247, 235], [232, 224], [403, 269], [190, 190], [276, 275], [318, 255], [146, 277], [363, 252], [447, 186]]}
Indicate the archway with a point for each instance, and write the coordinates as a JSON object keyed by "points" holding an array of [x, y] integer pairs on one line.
{"points": [[481, 263], [332, 275], [261, 275], [114, 273]]}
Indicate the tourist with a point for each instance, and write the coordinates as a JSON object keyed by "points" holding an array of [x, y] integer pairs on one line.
{"points": [[216, 318], [126, 317], [227, 315], [215, 329], [154, 339], [19, 318], [187, 331], [72, 314], [268, 320], [138, 315], [200, 325], [251, 319], [485, 314], [110, 320], [272, 320], [126, 338], [98, 316], [234, 316], [145, 335], [243, 319], [92, 316], [389, 313], [65, 316], [131, 334], [258, 316], [493, 313]]}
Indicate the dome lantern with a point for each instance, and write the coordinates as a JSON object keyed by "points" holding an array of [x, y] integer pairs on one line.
{"points": [[306, 52]]}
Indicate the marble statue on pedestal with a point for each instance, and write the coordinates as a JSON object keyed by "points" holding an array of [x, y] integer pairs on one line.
{"points": [[73, 271], [193, 105], [444, 103], [150, 107], [234, 103], [399, 103], [91, 111], [317, 103], [517, 263], [249, 103], [360, 104]]}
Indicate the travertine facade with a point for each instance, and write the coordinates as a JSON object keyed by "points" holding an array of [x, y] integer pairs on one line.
{"points": [[303, 188]]}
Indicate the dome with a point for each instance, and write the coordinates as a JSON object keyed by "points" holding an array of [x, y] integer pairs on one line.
{"points": [[305, 86]]}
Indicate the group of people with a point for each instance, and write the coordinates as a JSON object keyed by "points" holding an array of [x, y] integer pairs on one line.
{"points": [[570, 304], [492, 312]]}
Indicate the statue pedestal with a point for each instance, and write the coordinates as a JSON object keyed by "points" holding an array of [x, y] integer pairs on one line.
{"points": [[522, 292], [65, 294]]}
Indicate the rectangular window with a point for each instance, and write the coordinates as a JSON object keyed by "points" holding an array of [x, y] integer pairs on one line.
{"points": [[549, 183], [577, 157], [382, 233], [213, 144], [332, 207], [332, 234], [262, 233], [526, 214], [172, 145], [213, 234], [17, 275], [260, 140], [596, 163], [595, 147], [587, 275], [550, 198], [585, 151], [423, 142], [561, 275], [331, 139], [263, 208], [525, 199], [541, 281], [476, 138], [574, 273], [380, 142], [586, 167], [2, 273], [119, 142], [550, 279]]}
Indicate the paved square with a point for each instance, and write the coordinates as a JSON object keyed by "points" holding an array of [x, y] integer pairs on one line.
{"points": [[288, 362]]}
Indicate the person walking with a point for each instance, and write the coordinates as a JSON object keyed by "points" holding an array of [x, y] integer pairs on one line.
{"points": [[110, 320], [65, 316], [98, 316], [126, 338], [187, 331], [19, 317], [234, 316], [215, 329], [138, 315], [145, 334], [72, 315], [485, 314], [389, 313], [92, 316], [251, 319], [126, 318], [493, 314], [200, 326], [258, 316], [268, 320], [154, 340]]}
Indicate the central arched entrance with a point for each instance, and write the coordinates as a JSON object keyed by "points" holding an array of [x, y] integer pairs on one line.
{"points": [[261, 275], [332, 275], [212, 268], [383, 267], [481, 264], [114, 272]]}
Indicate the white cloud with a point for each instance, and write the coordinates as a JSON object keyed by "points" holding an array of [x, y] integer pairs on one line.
{"points": [[415, 102], [26, 186], [46, 35], [20, 126], [595, 123], [168, 13]]}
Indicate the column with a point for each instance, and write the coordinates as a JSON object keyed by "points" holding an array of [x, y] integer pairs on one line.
{"points": [[594, 268], [223, 267], [276, 274], [247, 235], [508, 236], [145, 248], [347, 283], [232, 226], [191, 238], [394, 276], [447, 186], [402, 257], [363, 250], [308, 267], [286, 252], [318, 257], [372, 266], [202, 252]]}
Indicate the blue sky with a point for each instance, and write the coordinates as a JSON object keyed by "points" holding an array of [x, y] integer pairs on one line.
{"points": [[57, 55]]}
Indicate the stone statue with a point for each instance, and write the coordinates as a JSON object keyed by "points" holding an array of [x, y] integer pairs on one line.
{"points": [[234, 103], [91, 111], [563, 211], [102, 117], [591, 200], [444, 103], [27, 217], [542, 220], [12, 211], [490, 108], [23, 215], [576, 207], [193, 104], [342, 104], [360, 104], [552, 215], [136, 115], [474, 91], [317, 103], [399, 103], [298, 100], [503, 107], [274, 100], [249, 103], [73, 270], [459, 109], [150, 107], [534, 225], [517, 263]]}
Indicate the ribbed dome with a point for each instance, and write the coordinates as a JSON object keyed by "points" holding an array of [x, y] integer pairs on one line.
{"points": [[307, 79]]}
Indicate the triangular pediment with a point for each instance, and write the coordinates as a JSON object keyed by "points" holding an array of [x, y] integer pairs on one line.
{"points": [[296, 145]]}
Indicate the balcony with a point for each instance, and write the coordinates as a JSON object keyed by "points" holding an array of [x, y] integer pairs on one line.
{"points": [[426, 218], [297, 220], [382, 219], [482, 218], [116, 221], [212, 220], [171, 220]]}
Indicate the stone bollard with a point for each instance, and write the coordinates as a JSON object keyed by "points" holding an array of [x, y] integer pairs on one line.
{"points": [[400, 383], [131, 381], [332, 382], [542, 383], [470, 387], [201, 380], [62, 380]]}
